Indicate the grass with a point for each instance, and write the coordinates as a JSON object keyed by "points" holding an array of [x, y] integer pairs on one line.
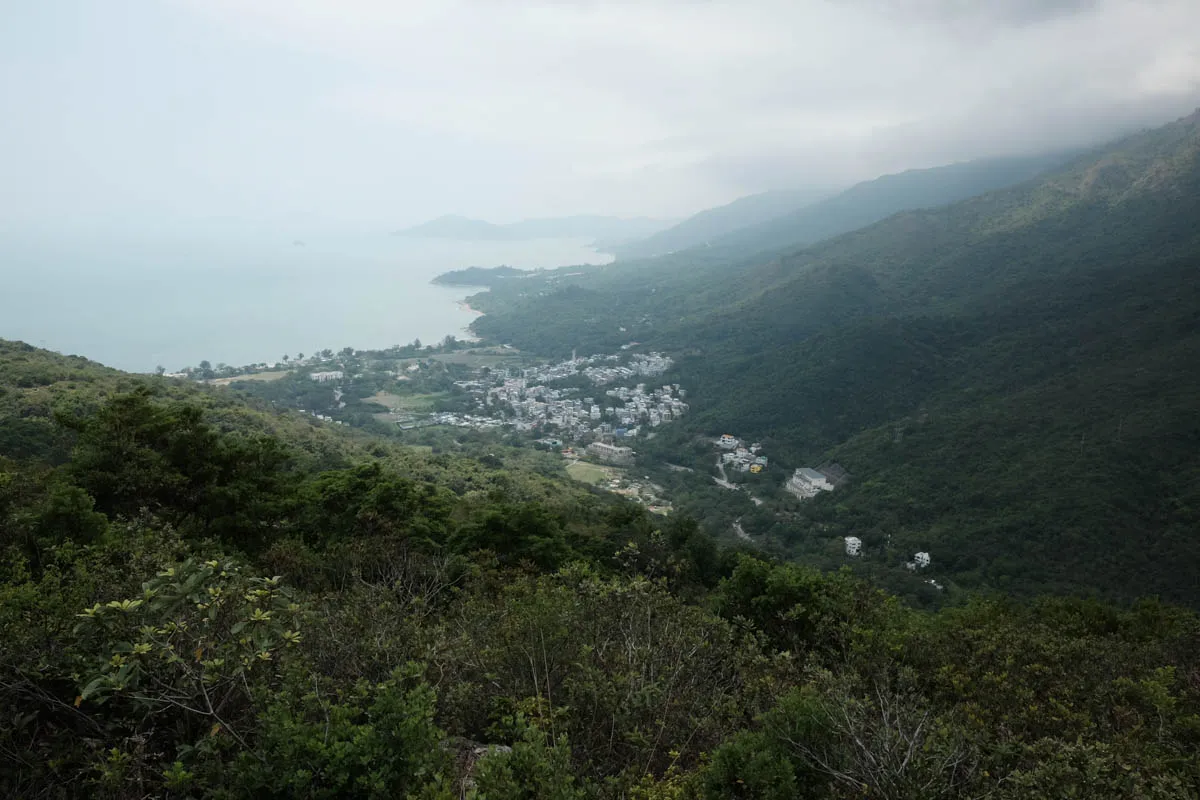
{"points": [[592, 474], [406, 402]]}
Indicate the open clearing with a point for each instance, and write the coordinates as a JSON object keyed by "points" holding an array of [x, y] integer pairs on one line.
{"points": [[593, 474], [257, 376], [406, 402]]}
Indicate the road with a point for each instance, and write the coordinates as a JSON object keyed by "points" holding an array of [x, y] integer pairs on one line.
{"points": [[723, 481]]}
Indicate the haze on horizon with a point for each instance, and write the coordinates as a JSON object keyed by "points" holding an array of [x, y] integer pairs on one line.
{"points": [[138, 115]]}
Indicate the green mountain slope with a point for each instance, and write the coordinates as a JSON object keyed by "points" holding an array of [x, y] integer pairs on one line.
{"points": [[703, 278], [872, 201], [1011, 379], [774, 220], [708, 225]]}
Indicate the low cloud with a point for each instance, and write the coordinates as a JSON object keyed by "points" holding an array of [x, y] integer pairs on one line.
{"points": [[507, 109]]}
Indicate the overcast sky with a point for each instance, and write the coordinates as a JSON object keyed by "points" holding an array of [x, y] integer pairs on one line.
{"points": [[387, 112]]}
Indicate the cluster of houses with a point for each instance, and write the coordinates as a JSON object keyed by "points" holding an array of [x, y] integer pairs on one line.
{"points": [[460, 421], [652, 407], [321, 417], [643, 492], [740, 456], [545, 373], [649, 366], [528, 403], [601, 369], [532, 406], [327, 377]]}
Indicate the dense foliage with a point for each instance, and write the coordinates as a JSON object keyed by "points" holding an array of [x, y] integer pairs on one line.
{"points": [[1010, 380], [203, 599]]}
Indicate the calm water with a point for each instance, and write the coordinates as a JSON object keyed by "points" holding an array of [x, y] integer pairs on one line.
{"points": [[242, 299]]}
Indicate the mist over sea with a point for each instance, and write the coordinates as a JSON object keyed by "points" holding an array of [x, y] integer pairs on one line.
{"points": [[137, 302]]}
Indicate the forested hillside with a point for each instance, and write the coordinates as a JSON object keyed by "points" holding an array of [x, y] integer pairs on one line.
{"points": [[872, 201], [773, 220], [203, 598], [1010, 379]]}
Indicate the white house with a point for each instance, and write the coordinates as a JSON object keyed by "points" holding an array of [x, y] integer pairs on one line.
{"points": [[325, 377], [614, 454], [853, 546], [727, 442], [807, 482], [921, 560]]}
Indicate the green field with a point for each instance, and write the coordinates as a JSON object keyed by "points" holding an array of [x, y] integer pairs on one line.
{"points": [[407, 402], [593, 474]]}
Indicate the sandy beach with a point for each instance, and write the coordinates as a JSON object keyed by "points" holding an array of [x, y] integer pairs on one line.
{"points": [[465, 306]]}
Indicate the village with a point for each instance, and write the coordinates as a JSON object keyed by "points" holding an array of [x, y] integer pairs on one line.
{"points": [[592, 411], [539, 399]]}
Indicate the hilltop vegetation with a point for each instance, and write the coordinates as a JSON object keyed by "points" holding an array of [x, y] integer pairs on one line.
{"points": [[479, 276], [871, 201], [1010, 378], [203, 598], [778, 219]]}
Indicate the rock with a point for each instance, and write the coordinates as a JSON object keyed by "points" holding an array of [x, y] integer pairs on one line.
{"points": [[467, 754]]}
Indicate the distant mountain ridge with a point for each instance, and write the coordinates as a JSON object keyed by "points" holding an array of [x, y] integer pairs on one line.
{"points": [[712, 223], [773, 220], [871, 201], [605, 230]]}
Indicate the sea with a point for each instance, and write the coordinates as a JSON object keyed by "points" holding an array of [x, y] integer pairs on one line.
{"points": [[142, 302]]}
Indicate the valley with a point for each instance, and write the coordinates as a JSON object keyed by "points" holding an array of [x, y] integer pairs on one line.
{"points": [[947, 358], [600, 401]]}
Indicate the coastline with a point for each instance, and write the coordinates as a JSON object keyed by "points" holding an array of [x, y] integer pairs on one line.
{"points": [[465, 306]]}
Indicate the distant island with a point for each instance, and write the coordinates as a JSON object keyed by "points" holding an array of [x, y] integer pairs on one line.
{"points": [[604, 231], [481, 276]]}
